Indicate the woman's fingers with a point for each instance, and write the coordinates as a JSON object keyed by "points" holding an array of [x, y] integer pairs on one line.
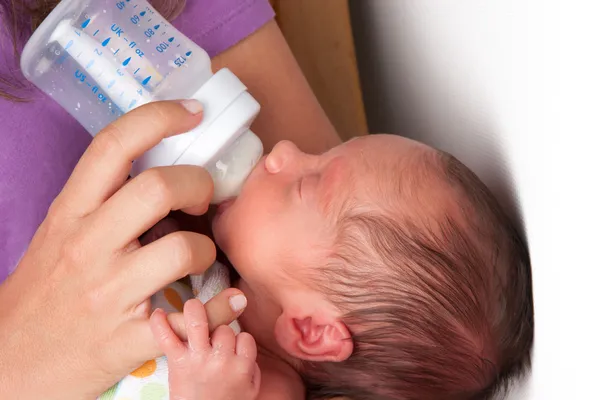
{"points": [[225, 308], [140, 337], [196, 325], [159, 263], [219, 312], [105, 165], [145, 200]]}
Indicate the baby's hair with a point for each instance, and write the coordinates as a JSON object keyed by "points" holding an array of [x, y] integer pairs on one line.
{"points": [[437, 309], [21, 17]]}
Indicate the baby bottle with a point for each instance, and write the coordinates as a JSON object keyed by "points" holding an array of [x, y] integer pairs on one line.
{"points": [[99, 59]]}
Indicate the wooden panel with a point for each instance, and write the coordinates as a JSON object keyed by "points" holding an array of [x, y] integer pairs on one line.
{"points": [[320, 36]]}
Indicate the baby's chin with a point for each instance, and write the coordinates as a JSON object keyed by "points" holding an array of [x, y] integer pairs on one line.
{"points": [[219, 232], [225, 225]]}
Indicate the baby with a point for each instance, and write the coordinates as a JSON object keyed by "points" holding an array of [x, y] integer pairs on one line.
{"points": [[383, 269]]}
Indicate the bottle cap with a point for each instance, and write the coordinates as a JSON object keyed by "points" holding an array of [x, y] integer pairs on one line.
{"points": [[220, 142]]}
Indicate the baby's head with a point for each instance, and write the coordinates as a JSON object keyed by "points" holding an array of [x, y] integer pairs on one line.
{"points": [[383, 269]]}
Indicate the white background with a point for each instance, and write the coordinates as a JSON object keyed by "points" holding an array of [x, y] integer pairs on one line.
{"points": [[512, 88]]}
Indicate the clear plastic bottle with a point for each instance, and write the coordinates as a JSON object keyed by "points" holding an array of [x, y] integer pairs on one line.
{"points": [[103, 58]]}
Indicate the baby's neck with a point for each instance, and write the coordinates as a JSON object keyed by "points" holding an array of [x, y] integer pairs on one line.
{"points": [[279, 381], [259, 320]]}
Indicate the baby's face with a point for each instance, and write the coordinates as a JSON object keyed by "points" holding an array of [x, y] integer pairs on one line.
{"points": [[284, 218], [283, 225]]}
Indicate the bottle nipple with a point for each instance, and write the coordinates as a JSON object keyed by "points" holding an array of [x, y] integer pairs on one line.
{"points": [[231, 169]]}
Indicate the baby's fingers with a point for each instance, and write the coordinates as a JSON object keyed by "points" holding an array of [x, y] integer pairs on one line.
{"points": [[167, 340], [222, 309], [256, 379], [245, 346], [196, 325], [223, 340], [246, 351]]}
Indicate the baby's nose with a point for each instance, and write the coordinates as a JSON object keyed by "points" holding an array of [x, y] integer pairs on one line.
{"points": [[283, 153]]}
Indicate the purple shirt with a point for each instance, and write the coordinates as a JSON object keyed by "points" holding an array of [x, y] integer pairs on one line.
{"points": [[40, 143]]}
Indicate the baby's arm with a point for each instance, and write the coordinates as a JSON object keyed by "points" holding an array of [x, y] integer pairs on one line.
{"points": [[218, 368]]}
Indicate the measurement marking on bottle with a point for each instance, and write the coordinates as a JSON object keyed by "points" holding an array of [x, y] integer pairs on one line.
{"points": [[106, 41], [126, 62], [111, 84], [126, 40], [145, 81], [142, 13], [79, 55], [82, 78], [95, 33], [115, 53], [117, 30], [136, 71], [86, 23], [162, 47], [69, 45]]}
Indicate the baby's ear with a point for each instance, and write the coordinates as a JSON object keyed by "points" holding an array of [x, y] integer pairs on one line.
{"points": [[318, 338]]}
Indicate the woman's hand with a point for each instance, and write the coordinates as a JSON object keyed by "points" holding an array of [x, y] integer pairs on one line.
{"points": [[74, 316]]}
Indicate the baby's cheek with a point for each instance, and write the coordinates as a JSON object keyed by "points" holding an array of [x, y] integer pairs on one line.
{"points": [[231, 236]]}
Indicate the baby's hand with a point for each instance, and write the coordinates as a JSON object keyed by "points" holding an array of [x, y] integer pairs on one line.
{"points": [[219, 368]]}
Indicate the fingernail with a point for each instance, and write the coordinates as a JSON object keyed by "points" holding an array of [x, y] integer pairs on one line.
{"points": [[158, 311], [238, 302], [193, 106]]}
